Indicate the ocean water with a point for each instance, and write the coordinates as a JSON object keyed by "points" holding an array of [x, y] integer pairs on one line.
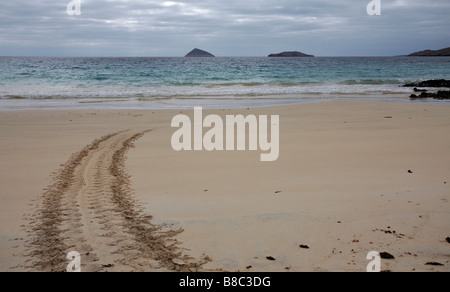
{"points": [[27, 83]]}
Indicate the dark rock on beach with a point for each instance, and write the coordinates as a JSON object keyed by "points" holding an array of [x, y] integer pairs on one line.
{"points": [[290, 55], [386, 256], [440, 95], [448, 239], [430, 83], [197, 53], [439, 83]]}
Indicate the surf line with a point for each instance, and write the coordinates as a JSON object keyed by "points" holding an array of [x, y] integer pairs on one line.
{"points": [[229, 135]]}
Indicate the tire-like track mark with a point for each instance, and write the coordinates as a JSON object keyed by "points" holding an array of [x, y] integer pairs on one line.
{"points": [[90, 209]]}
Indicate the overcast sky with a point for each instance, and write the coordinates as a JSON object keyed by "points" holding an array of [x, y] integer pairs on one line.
{"points": [[223, 27]]}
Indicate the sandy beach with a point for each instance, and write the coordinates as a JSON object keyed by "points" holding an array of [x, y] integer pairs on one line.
{"points": [[352, 177]]}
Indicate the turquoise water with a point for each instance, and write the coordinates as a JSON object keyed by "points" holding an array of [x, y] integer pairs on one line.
{"points": [[209, 82]]}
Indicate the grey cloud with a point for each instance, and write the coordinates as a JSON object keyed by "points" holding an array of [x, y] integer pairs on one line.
{"points": [[228, 28]]}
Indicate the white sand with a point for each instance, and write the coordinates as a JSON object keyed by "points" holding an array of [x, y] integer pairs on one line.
{"points": [[339, 162]]}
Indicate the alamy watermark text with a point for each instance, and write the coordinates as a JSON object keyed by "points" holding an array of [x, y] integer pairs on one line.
{"points": [[74, 8], [74, 265], [374, 8], [233, 137]]}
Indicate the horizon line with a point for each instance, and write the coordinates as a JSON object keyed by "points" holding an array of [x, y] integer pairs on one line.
{"points": [[361, 56]]}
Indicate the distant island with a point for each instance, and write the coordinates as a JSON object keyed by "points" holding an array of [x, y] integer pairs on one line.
{"points": [[197, 53], [431, 53], [290, 55]]}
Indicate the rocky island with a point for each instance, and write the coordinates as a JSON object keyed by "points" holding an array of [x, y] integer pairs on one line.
{"points": [[197, 53], [431, 53], [290, 55]]}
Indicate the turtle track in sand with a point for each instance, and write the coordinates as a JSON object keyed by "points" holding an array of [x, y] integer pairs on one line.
{"points": [[90, 209]]}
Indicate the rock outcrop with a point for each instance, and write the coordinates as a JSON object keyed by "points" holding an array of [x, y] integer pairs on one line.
{"points": [[431, 53], [197, 53], [440, 95], [430, 83], [290, 55]]}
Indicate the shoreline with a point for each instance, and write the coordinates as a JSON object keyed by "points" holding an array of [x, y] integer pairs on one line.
{"points": [[340, 161], [209, 103]]}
